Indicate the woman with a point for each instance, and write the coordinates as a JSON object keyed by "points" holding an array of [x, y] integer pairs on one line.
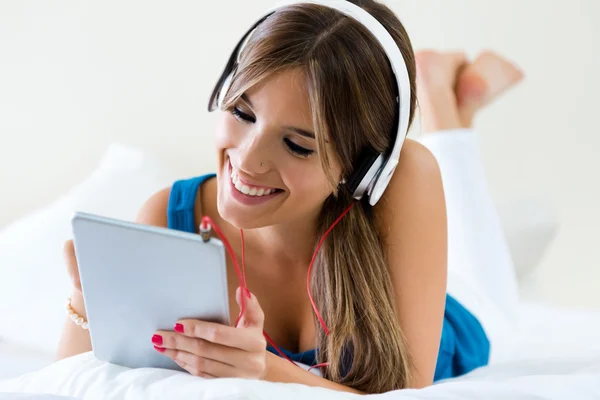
{"points": [[285, 145]]}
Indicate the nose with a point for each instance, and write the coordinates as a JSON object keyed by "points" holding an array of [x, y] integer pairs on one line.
{"points": [[255, 153]]}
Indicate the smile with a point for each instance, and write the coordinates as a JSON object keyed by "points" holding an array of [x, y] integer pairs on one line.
{"points": [[247, 193], [250, 190]]}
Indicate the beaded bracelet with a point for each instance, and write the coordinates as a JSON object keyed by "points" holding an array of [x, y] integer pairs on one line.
{"points": [[78, 319]]}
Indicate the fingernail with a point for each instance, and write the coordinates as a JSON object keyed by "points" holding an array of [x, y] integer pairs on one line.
{"points": [[157, 339], [159, 349], [178, 328]]}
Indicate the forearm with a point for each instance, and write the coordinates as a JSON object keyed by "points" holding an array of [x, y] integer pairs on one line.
{"points": [[281, 370], [74, 339]]}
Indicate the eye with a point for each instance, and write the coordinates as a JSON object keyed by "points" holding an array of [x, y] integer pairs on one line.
{"points": [[297, 150], [242, 116]]}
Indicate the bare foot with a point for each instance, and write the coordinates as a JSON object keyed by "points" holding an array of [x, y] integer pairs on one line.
{"points": [[482, 81], [437, 75]]}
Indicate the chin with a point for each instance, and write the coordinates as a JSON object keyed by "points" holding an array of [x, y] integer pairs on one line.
{"points": [[237, 215]]}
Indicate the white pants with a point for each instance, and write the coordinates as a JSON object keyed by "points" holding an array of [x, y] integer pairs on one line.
{"points": [[481, 275]]}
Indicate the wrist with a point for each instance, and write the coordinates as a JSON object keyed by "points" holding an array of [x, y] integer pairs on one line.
{"points": [[78, 304], [270, 367]]}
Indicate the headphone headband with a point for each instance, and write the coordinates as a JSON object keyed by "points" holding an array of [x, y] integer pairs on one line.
{"points": [[377, 172]]}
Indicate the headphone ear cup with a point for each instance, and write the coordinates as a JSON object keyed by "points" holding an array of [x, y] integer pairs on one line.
{"points": [[224, 88], [366, 169]]}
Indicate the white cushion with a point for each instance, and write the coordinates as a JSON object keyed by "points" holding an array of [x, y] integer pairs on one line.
{"points": [[34, 284]]}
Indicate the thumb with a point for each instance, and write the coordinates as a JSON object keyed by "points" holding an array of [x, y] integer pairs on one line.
{"points": [[254, 316]]}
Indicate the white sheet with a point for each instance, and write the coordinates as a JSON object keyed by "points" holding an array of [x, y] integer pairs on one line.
{"points": [[16, 360], [556, 355], [85, 377]]}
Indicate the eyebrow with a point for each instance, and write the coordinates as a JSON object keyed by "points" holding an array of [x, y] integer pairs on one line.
{"points": [[299, 131]]}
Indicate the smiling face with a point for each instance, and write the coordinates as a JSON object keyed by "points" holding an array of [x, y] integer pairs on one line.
{"points": [[270, 172]]}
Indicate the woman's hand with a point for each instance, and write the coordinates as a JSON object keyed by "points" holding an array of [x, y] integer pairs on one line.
{"points": [[212, 350]]}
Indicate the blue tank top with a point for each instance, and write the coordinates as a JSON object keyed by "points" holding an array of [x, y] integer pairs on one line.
{"points": [[464, 345]]}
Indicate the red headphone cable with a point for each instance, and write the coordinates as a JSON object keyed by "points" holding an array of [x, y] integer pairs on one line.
{"points": [[205, 228]]}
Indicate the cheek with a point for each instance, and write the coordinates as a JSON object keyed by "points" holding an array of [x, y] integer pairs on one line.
{"points": [[309, 184], [226, 132]]}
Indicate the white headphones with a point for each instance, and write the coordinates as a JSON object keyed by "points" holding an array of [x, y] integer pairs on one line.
{"points": [[375, 170]]}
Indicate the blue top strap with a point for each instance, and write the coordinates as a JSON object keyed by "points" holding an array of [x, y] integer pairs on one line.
{"points": [[182, 200]]}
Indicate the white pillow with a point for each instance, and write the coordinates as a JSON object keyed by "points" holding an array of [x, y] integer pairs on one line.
{"points": [[34, 284]]}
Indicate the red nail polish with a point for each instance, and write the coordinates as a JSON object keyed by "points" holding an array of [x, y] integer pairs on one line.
{"points": [[157, 339], [178, 328], [159, 349]]}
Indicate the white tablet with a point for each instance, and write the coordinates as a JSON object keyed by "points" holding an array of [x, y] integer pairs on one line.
{"points": [[137, 279]]}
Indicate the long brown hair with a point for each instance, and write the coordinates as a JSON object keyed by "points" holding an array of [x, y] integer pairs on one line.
{"points": [[351, 90]]}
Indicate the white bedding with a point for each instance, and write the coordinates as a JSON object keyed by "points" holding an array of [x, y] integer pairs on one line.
{"points": [[555, 355], [85, 377], [16, 360]]}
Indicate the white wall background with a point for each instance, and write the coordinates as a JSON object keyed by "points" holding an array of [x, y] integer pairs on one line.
{"points": [[78, 75]]}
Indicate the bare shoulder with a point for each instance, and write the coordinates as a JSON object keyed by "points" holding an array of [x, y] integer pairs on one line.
{"points": [[415, 185], [417, 165], [154, 210]]}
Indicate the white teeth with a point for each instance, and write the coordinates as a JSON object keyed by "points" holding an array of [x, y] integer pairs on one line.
{"points": [[238, 185], [247, 190]]}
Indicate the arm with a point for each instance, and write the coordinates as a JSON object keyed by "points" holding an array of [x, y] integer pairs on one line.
{"points": [[412, 220], [212, 350], [75, 340], [281, 370]]}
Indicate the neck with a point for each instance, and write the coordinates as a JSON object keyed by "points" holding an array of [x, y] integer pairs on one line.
{"points": [[290, 243]]}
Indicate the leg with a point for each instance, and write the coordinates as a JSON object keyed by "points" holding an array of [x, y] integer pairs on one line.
{"points": [[480, 271]]}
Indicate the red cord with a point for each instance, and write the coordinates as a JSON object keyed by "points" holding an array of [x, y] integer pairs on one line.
{"points": [[318, 366], [271, 342], [207, 219], [241, 274], [311, 265], [281, 353], [244, 263]]}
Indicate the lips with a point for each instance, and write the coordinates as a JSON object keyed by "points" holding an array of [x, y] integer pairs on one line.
{"points": [[248, 193], [250, 190]]}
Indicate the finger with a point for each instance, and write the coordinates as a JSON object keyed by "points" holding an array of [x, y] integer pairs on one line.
{"points": [[199, 347], [194, 371], [201, 366], [253, 317], [244, 339]]}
